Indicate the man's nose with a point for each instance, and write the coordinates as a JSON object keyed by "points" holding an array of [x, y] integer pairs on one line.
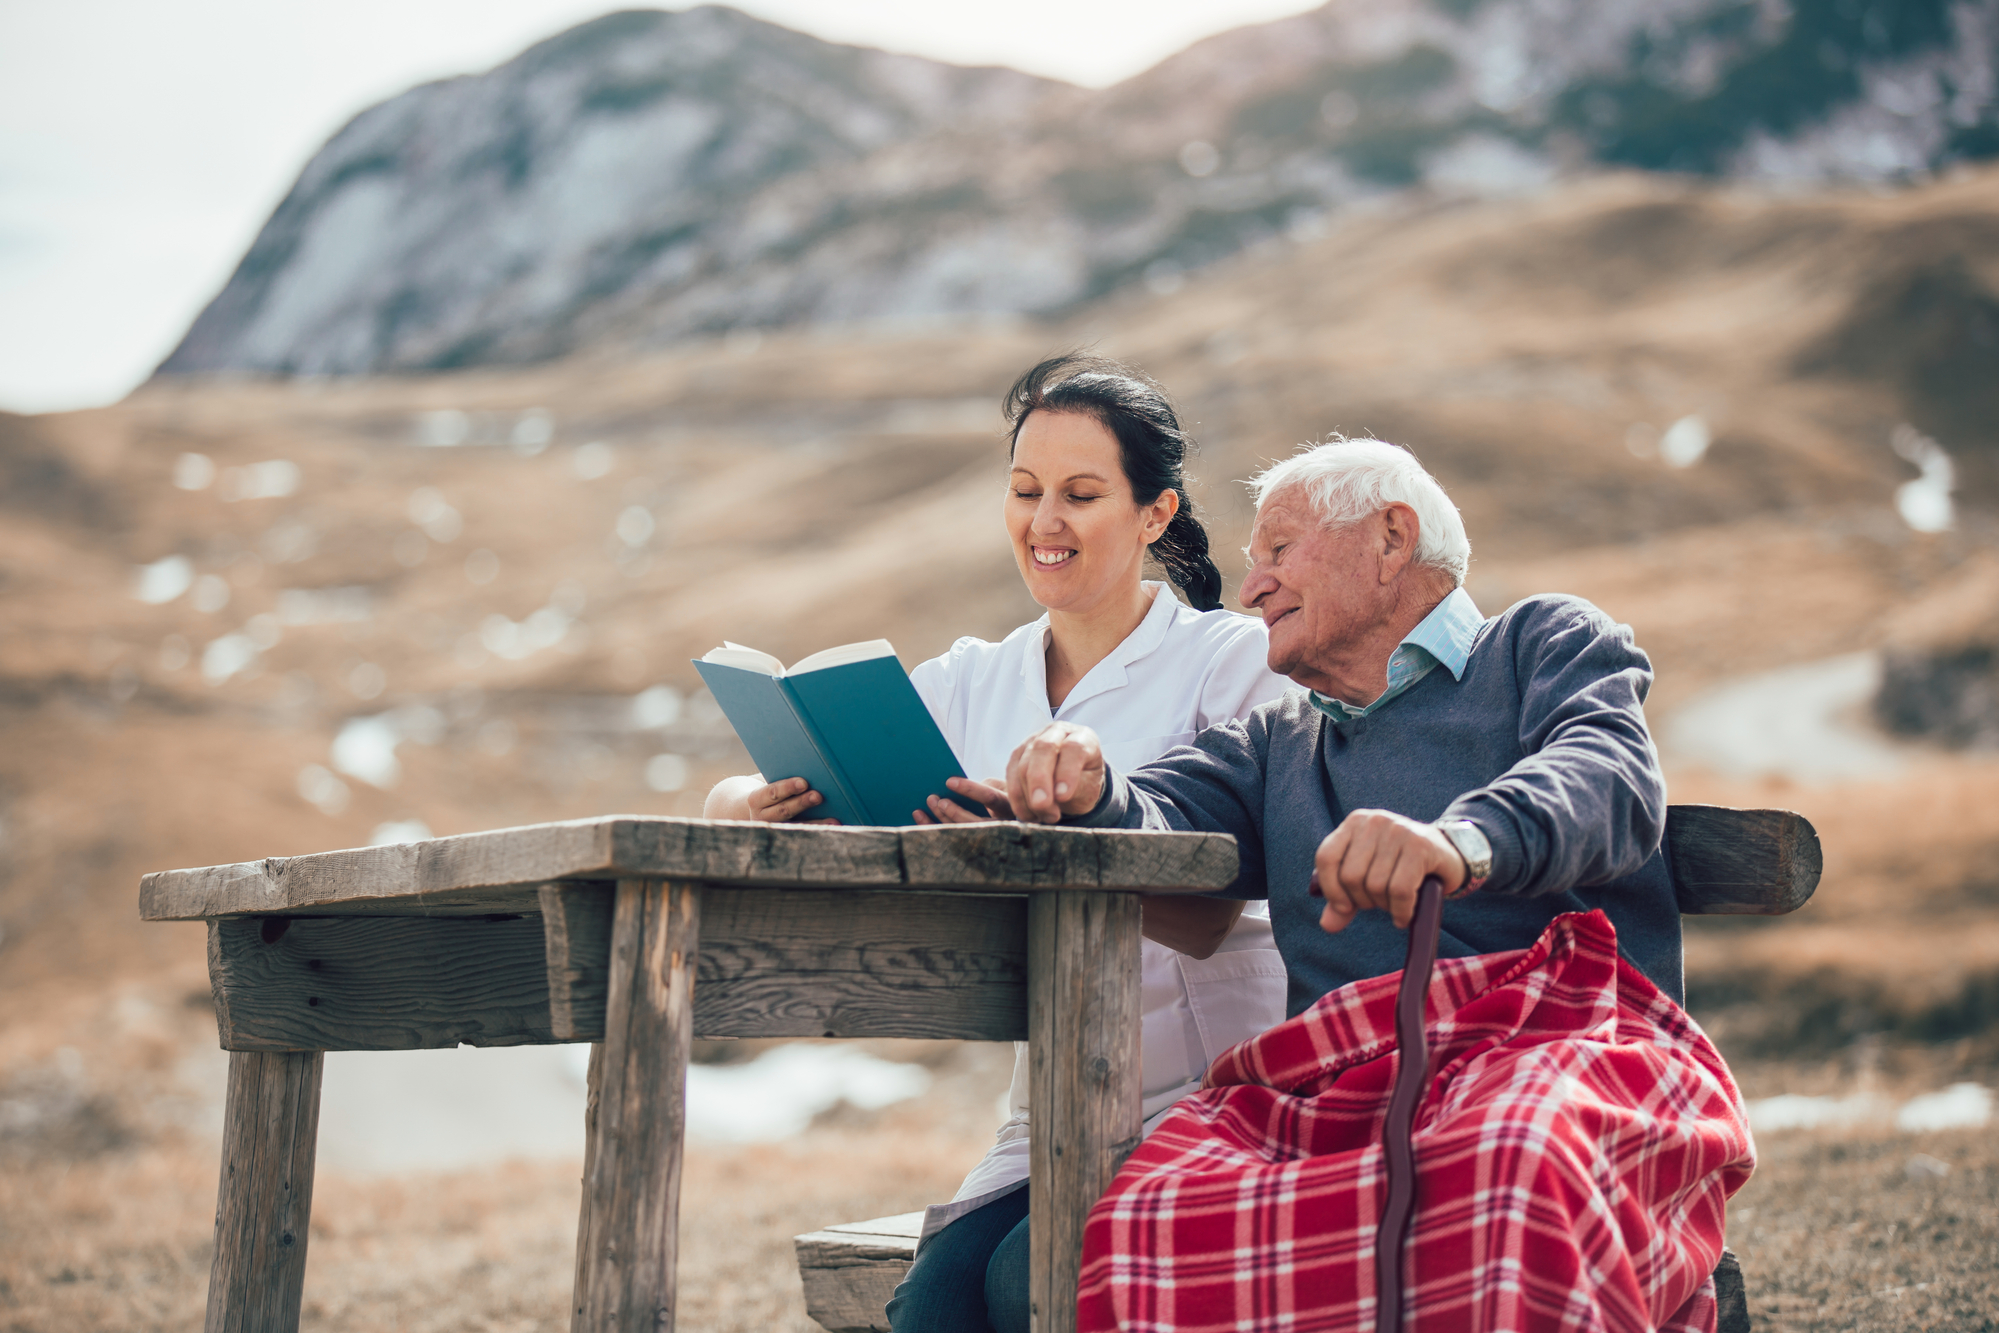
{"points": [[1256, 585]]}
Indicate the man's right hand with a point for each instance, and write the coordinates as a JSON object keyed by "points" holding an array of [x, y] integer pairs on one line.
{"points": [[1057, 771]]}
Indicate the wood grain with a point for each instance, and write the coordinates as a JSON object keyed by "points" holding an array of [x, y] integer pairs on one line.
{"points": [[1083, 1092], [850, 1271], [841, 963], [1741, 862], [391, 983], [501, 870], [594, 1086], [632, 1194], [817, 963], [263, 1210], [1037, 857], [1731, 1295], [576, 926]]}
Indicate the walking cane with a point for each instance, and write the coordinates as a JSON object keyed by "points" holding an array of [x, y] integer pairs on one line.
{"points": [[1411, 1076]]}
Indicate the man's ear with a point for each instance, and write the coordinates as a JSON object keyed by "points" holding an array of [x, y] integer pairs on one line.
{"points": [[1401, 530]]}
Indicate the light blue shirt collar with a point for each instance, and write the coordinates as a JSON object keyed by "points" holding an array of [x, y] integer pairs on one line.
{"points": [[1442, 638]]}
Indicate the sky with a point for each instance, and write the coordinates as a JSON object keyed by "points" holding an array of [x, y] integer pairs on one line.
{"points": [[143, 144]]}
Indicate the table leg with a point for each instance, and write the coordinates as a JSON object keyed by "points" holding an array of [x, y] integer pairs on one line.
{"points": [[270, 1129], [1084, 1091], [631, 1190]]}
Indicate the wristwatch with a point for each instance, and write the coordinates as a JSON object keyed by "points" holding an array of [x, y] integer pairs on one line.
{"points": [[1476, 851]]}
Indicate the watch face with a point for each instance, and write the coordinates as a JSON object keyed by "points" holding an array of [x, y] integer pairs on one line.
{"points": [[1473, 846]]}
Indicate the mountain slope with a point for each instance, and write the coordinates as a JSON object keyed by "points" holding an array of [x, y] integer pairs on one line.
{"points": [[652, 177], [484, 218]]}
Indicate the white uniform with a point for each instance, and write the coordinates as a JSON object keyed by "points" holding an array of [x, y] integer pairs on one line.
{"points": [[1179, 671]]}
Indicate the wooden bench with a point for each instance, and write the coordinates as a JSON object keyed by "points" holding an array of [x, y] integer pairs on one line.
{"points": [[1724, 862]]}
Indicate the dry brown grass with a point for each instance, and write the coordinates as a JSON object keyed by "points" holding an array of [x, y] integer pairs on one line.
{"points": [[1836, 1232], [121, 1240]]}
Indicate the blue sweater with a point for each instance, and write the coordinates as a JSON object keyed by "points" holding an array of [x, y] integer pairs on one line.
{"points": [[1541, 743]]}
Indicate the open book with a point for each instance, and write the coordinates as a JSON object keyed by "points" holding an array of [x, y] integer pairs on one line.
{"points": [[847, 720]]}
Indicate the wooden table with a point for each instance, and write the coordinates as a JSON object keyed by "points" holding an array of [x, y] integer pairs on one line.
{"points": [[598, 930]]}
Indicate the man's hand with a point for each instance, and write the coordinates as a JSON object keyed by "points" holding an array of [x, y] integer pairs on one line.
{"points": [[1377, 858], [1057, 771]]}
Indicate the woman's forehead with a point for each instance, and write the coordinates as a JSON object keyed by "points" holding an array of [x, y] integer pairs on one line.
{"points": [[1066, 445]]}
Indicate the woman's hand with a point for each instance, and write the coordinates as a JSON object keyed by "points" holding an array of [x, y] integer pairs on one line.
{"points": [[986, 793], [749, 797]]}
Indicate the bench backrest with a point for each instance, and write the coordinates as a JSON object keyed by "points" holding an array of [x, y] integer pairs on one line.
{"points": [[1741, 862]]}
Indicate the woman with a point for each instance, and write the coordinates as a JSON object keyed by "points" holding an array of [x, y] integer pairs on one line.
{"points": [[1096, 486]]}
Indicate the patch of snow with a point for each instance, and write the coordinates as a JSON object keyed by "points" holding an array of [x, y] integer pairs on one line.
{"points": [[227, 656], [1768, 1115], [400, 831], [261, 481], [163, 580], [1797, 722], [1960, 1106], [194, 472], [1685, 442]]}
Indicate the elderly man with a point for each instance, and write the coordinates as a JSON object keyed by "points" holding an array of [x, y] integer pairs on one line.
{"points": [[1580, 1136]]}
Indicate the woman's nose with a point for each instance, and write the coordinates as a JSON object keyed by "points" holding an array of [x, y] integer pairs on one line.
{"points": [[1046, 518]]}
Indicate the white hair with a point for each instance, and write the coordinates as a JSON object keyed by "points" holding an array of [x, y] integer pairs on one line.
{"points": [[1348, 480]]}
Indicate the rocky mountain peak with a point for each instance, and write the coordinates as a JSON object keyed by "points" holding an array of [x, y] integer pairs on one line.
{"points": [[487, 218]]}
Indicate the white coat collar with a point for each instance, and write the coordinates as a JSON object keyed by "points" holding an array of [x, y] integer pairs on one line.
{"points": [[1111, 673]]}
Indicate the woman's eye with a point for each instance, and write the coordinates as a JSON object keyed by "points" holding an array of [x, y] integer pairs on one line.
{"points": [[1084, 499], [1027, 495]]}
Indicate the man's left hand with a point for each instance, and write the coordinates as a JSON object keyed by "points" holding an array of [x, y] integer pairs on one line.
{"points": [[1377, 858]]}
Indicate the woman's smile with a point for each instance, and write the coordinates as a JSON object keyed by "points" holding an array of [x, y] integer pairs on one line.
{"points": [[1050, 556]]}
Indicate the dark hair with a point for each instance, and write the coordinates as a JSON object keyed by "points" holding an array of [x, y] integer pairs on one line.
{"points": [[1151, 446]]}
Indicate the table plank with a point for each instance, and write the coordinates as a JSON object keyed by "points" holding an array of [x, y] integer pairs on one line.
{"points": [[816, 963], [501, 871], [1037, 858], [385, 983]]}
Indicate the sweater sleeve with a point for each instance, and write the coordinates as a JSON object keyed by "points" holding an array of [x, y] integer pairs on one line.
{"points": [[1588, 803], [1214, 785]]}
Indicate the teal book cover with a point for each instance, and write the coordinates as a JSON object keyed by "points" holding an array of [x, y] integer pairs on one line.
{"points": [[847, 720]]}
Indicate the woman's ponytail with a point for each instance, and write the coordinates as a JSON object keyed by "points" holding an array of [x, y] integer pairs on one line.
{"points": [[1151, 446], [1183, 551]]}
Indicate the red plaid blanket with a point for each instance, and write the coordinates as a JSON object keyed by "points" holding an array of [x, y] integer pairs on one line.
{"points": [[1574, 1152]]}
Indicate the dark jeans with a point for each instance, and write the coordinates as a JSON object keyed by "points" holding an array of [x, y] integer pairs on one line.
{"points": [[971, 1276]]}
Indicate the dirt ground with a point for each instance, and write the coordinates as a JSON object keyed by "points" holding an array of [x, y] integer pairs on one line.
{"points": [[1837, 1230]]}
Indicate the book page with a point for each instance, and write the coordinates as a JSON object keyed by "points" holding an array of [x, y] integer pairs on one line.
{"points": [[841, 656], [748, 659]]}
